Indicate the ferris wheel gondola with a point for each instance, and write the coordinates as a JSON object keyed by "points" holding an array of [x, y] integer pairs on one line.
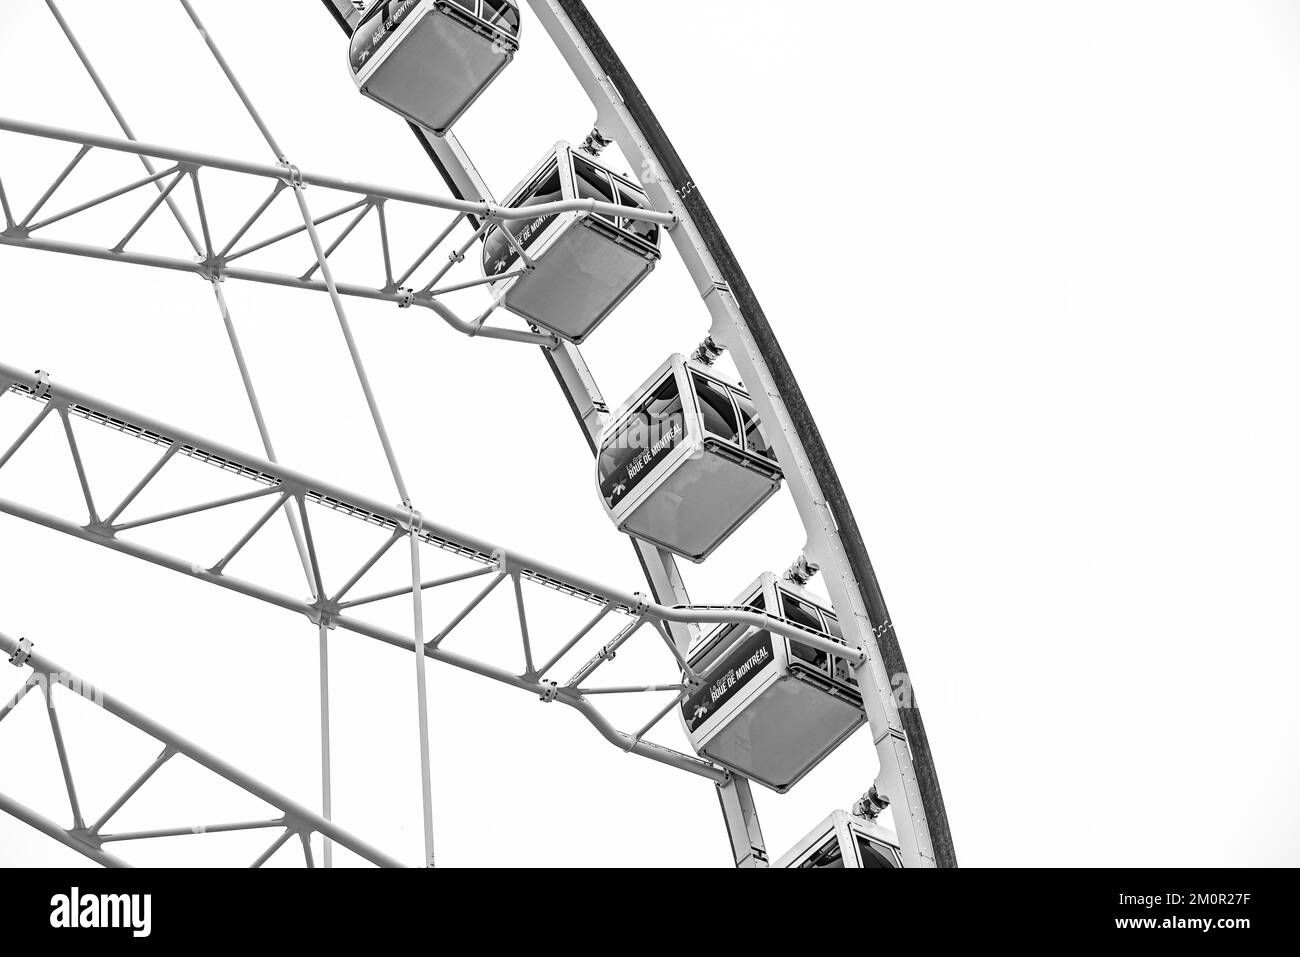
{"points": [[429, 60], [844, 841], [770, 708], [685, 461], [580, 265]]}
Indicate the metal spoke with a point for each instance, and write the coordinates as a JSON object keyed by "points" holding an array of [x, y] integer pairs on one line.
{"points": [[166, 755], [79, 465], [293, 230], [196, 509], [140, 486], [572, 642], [163, 197], [265, 856], [247, 537], [203, 212], [338, 241], [659, 716], [423, 257], [62, 750], [445, 290], [26, 434], [17, 699], [196, 831], [421, 692], [58, 181], [248, 223], [4, 205], [529, 670], [437, 639], [313, 562], [383, 244], [424, 586], [369, 564], [100, 200]]}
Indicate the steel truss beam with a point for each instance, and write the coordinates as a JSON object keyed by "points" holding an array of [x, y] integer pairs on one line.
{"points": [[217, 255], [280, 485], [294, 820]]}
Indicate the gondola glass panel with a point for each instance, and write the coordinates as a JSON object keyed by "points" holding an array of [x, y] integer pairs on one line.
{"points": [[845, 841], [585, 263], [771, 708], [429, 60], [675, 469]]}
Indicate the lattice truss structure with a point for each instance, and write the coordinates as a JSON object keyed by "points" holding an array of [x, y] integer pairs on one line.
{"points": [[96, 840], [421, 279], [338, 596], [363, 566]]}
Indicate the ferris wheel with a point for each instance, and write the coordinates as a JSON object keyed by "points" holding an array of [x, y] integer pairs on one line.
{"points": [[762, 688]]}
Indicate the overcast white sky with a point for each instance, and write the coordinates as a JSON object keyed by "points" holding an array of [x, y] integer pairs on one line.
{"points": [[1033, 264]]}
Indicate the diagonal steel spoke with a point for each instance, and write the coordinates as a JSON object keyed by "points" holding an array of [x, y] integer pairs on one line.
{"points": [[197, 830], [203, 211], [248, 223], [166, 755], [163, 197], [26, 434], [383, 244], [369, 564], [312, 559], [529, 670], [278, 843], [281, 502], [569, 645], [294, 230], [196, 509], [100, 200], [437, 639], [80, 465], [470, 284], [58, 181], [62, 750], [424, 586], [338, 241], [140, 486], [420, 259], [17, 699], [4, 205]]}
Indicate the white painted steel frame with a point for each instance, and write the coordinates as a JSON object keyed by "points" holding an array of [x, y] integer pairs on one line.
{"points": [[216, 258], [825, 545], [281, 485], [295, 821]]}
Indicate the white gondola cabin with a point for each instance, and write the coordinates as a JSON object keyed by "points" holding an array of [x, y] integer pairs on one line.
{"points": [[429, 60], [685, 462], [585, 263], [844, 841], [769, 707]]}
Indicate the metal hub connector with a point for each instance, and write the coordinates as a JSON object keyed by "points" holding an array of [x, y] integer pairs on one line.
{"points": [[871, 805], [802, 571], [708, 351], [24, 651], [595, 143]]}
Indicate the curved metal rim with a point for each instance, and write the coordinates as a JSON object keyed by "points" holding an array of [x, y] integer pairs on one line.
{"points": [[756, 321]]}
